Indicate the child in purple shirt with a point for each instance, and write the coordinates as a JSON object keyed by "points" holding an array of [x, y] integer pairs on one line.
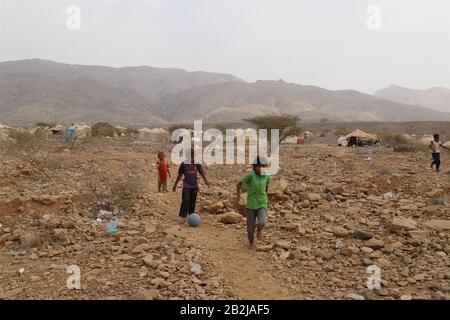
{"points": [[190, 185]]}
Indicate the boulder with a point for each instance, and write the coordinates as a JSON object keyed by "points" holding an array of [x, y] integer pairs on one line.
{"points": [[29, 240], [340, 232], [401, 223], [61, 234], [375, 243], [362, 235], [439, 225], [231, 218]]}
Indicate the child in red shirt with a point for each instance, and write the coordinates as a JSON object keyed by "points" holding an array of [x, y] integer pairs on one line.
{"points": [[163, 172]]}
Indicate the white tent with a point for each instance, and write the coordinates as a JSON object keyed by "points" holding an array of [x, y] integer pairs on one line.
{"points": [[426, 139], [156, 135], [290, 140]]}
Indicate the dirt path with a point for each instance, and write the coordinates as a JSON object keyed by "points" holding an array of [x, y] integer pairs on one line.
{"points": [[241, 266]]}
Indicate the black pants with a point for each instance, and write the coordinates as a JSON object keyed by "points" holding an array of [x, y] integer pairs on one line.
{"points": [[436, 160], [188, 197]]}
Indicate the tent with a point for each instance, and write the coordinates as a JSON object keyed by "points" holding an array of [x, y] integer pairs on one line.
{"points": [[155, 135], [83, 130], [57, 130], [104, 129], [5, 132], [360, 138], [426, 139], [291, 140], [121, 131]]}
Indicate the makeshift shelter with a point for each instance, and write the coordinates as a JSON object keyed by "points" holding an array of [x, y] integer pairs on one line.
{"points": [[82, 130], [426, 139], [57, 130], [104, 129], [342, 141], [361, 138], [156, 135], [291, 140], [5, 132], [121, 131]]}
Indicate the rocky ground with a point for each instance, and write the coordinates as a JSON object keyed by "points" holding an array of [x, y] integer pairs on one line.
{"points": [[334, 212]]}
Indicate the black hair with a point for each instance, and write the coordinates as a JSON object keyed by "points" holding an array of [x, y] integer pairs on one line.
{"points": [[260, 161], [436, 135]]}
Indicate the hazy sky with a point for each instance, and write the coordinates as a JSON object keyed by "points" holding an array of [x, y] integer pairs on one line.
{"points": [[320, 42]]}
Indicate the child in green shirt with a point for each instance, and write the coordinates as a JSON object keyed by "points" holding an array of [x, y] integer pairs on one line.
{"points": [[257, 199]]}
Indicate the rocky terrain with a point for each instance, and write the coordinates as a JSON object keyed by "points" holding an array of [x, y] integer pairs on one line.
{"points": [[333, 213]]}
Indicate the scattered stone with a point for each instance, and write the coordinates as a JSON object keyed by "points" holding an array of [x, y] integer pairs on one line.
{"points": [[438, 224], [283, 244], [375, 243], [340, 232], [148, 260], [231, 218], [61, 234], [401, 223], [353, 296], [29, 240], [286, 255], [196, 268], [314, 197], [362, 235]]}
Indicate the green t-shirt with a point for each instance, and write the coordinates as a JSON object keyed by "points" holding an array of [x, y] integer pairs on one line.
{"points": [[257, 195]]}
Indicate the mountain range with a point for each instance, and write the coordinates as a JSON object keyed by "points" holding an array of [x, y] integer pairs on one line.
{"points": [[42, 90], [436, 98]]}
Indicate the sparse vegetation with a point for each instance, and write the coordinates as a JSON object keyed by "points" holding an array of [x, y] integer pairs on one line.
{"points": [[342, 131], [43, 124], [287, 125], [33, 150], [395, 139], [116, 192]]}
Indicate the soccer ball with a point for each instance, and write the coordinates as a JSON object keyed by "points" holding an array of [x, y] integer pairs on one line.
{"points": [[193, 219]]}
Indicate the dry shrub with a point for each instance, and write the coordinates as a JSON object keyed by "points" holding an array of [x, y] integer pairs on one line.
{"points": [[33, 149], [383, 171], [114, 192]]}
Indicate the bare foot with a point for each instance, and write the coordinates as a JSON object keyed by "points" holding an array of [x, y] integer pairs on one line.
{"points": [[259, 235], [252, 245]]}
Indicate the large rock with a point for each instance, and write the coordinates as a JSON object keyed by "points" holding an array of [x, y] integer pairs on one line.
{"points": [[314, 197], [401, 223], [29, 240], [438, 224], [231, 218], [279, 186], [362, 235], [435, 193], [283, 244], [335, 189], [148, 260], [374, 243], [61, 234], [50, 221], [340, 232]]}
